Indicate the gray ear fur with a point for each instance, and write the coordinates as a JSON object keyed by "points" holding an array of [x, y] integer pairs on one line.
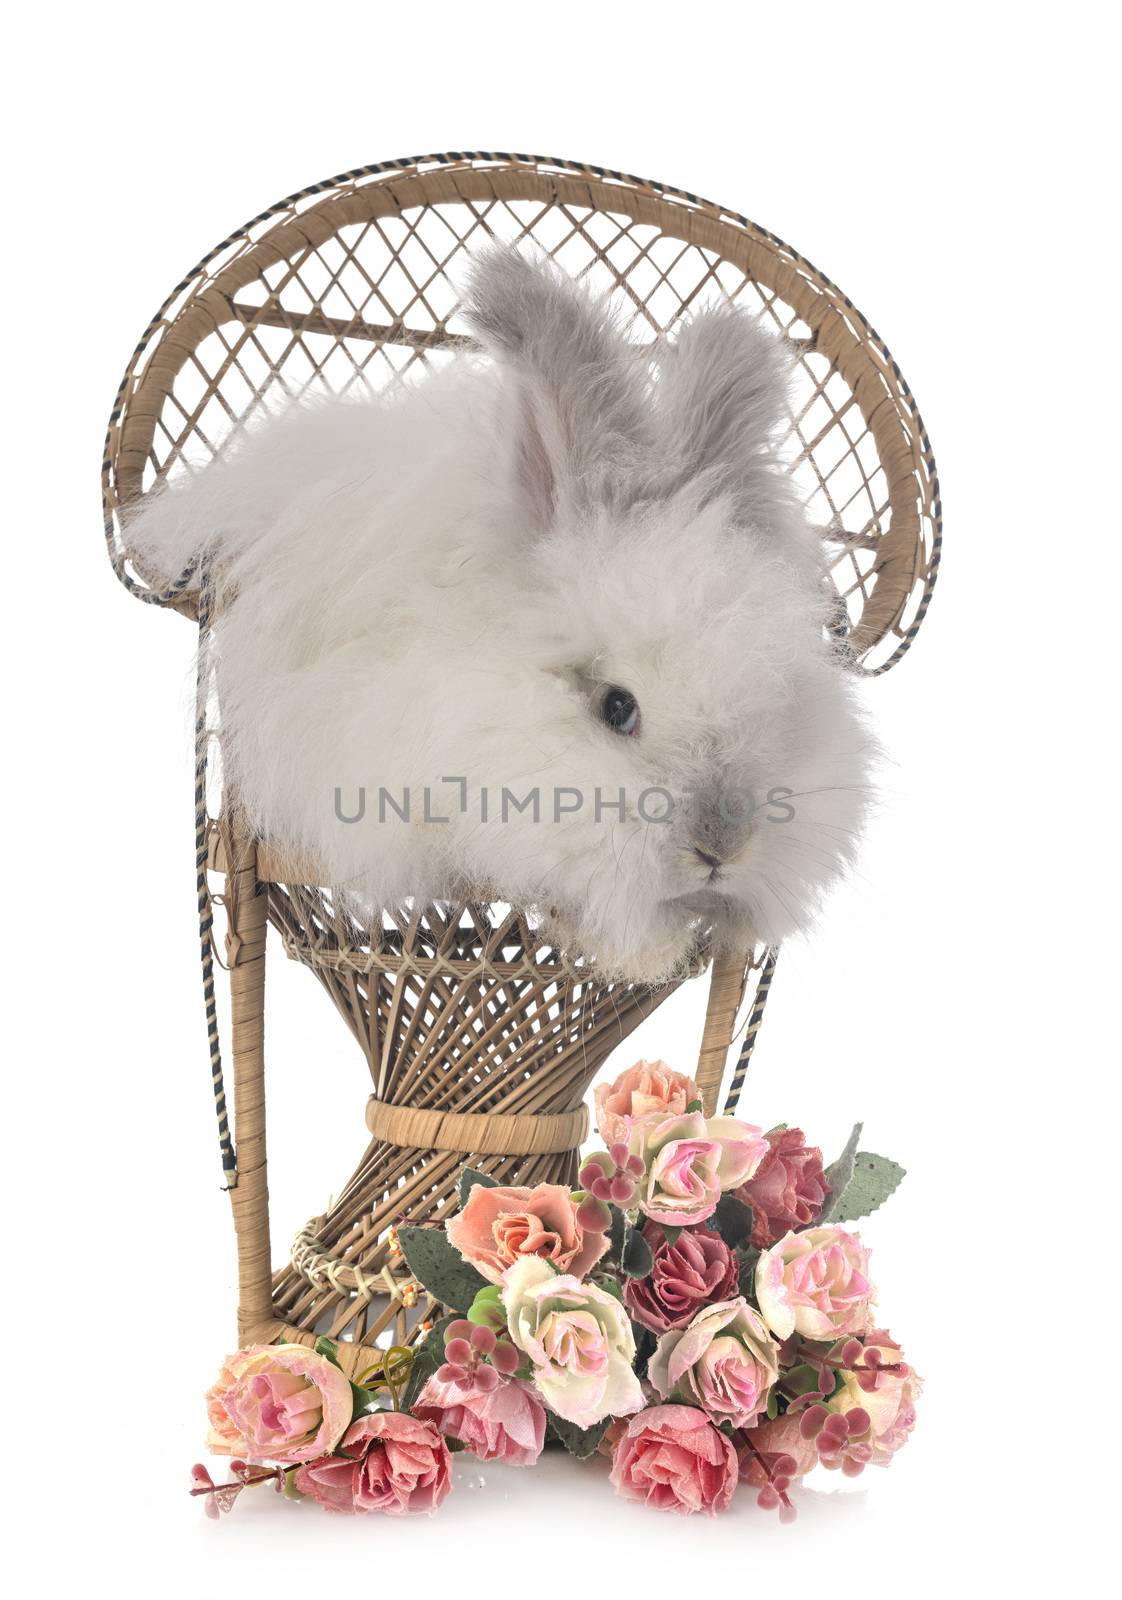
{"points": [[721, 397], [579, 387]]}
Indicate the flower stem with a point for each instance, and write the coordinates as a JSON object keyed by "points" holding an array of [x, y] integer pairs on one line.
{"points": [[270, 1475]]}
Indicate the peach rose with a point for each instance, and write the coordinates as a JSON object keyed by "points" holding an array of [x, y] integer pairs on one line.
{"points": [[674, 1458], [500, 1226], [648, 1089], [278, 1402], [815, 1283], [387, 1461]]}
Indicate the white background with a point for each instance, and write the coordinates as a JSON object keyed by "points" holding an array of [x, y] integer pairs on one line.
{"points": [[949, 168]]}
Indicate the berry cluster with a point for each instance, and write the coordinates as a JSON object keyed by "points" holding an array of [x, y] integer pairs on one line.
{"points": [[473, 1355], [834, 1432], [868, 1375], [608, 1177], [842, 1357], [778, 1472]]}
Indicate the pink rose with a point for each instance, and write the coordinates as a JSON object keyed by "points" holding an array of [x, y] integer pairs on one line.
{"points": [[696, 1270], [690, 1161], [504, 1423], [578, 1339], [499, 1226], [815, 1283], [280, 1402], [773, 1439], [725, 1362], [890, 1405], [389, 1462], [674, 1458], [787, 1190], [648, 1089]]}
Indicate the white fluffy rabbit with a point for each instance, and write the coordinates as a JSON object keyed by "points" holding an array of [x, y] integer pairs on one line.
{"points": [[570, 569]]}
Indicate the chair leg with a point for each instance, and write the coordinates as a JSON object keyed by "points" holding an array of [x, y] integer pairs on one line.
{"points": [[247, 904], [726, 991]]}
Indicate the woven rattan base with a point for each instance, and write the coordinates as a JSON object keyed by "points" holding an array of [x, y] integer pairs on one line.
{"points": [[481, 1044]]}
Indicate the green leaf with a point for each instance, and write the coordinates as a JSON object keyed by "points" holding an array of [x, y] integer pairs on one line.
{"points": [[670, 1232], [734, 1220], [780, 1127], [579, 1442], [637, 1258], [772, 1404], [440, 1267], [468, 1180], [617, 1233], [328, 1348], [428, 1355], [486, 1310], [802, 1379], [360, 1399], [694, 1106], [874, 1178], [838, 1175], [645, 1346], [746, 1282]]}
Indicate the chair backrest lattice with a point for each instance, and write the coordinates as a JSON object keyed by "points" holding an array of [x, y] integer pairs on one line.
{"points": [[352, 284]]}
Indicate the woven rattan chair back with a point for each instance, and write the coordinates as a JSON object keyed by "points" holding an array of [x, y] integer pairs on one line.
{"points": [[480, 1044]]}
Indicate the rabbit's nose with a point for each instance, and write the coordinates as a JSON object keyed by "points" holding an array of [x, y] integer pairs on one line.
{"points": [[706, 859]]}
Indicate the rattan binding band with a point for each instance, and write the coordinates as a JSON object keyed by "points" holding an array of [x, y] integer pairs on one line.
{"points": [[491, 1133]]}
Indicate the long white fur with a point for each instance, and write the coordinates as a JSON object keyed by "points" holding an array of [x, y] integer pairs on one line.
{"points": [[434, 585]]}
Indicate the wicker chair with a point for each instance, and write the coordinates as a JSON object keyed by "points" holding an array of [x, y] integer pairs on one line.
{"points": [[479, 1043]]}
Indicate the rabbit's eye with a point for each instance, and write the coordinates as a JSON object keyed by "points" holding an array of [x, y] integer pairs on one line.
{"points": [[619, 709]]}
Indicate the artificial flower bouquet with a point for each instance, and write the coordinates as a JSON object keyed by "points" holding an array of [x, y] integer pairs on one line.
{"points": [[695, 1312]]}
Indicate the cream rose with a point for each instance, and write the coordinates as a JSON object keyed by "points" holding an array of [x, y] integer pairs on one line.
{"points": [[725, 1362], [578, 1339], [815, 1283], [690, 1161], [890, 1404]]}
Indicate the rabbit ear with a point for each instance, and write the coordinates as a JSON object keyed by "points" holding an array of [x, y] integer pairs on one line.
{"points": [[722, 394], [578, 389]]}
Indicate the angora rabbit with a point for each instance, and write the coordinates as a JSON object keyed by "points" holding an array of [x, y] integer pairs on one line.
{"points": [[548, 627]]}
